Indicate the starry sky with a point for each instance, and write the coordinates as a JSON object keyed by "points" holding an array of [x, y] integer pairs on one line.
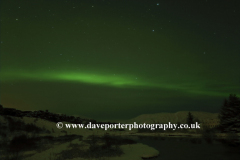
{"points": [[117, 59]]}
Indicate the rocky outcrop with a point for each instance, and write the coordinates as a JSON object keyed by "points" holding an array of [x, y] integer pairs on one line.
{"points": [[53, 117]]}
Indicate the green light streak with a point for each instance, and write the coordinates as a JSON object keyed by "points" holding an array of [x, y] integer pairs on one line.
{"points": [[120, 81], [110, 80], [104, 79]]}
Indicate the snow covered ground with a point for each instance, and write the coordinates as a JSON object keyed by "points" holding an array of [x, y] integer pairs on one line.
{"points": [[53, 151]]}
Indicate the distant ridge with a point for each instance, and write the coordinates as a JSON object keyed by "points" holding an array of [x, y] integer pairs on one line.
{"points": [[172, 117]]}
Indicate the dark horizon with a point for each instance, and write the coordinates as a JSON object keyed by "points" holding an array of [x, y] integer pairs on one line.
{"points": [[51, 116], [119, 59], [111, 119]]}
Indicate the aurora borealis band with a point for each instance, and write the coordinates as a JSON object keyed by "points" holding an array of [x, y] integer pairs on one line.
{"points": [[108, 59]]}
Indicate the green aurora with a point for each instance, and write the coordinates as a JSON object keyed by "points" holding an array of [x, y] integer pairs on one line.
{"points": [[124, 81], [118, 59]]}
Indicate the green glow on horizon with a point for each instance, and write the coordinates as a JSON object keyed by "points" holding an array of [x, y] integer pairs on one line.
{"points": [[125, 81], [105, 79]]}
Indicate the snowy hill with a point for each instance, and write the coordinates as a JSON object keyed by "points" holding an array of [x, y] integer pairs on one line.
{"points": [[171, 117]]}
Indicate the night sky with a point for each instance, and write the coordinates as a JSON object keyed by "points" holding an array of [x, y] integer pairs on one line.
{"points": [[117, 59]]}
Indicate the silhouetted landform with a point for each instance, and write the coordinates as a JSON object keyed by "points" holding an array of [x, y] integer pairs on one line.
{"points": [[53, 117], [177, 117], [24, 138], [30, 134]]}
